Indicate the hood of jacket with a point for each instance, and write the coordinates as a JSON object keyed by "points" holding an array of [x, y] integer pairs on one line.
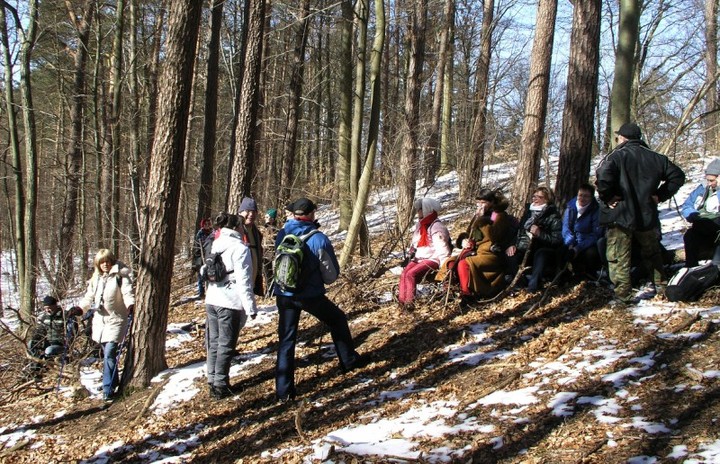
{"points": [[298, 227], [226, 239]]}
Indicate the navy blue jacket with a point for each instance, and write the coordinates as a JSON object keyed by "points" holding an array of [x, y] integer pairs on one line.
{"points": [[319, 267], [582, 233]]}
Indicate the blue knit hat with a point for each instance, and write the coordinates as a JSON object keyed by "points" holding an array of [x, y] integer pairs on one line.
{"points": [[248, 204]]}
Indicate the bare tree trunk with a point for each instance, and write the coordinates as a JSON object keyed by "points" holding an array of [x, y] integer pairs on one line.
{"points": [[373, 131], [75, 153], [343, 174], [115, 93], [621, 95], [207, 160], [244, 159], [447, 163], [408, 156], [361, 26], [533, 133], [712, 121], [297, 77], [432, 157], [576, 143], [16, 164], [134, 161], [471, 175], [28, 278], [163, 195]]}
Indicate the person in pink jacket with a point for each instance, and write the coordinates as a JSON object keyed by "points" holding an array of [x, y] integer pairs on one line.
{"points": [[430, 247]]}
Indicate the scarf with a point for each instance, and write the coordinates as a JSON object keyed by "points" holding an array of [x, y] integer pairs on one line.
{"points": [[581, 209], [424, 226]]}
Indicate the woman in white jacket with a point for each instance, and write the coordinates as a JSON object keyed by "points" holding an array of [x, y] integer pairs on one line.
{"points": [[227, 303], [111, 298], [430, 247]]}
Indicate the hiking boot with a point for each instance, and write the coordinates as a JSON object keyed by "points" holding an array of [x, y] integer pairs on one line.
{"points": [[647, 292], [361, 361], [220, 393]]}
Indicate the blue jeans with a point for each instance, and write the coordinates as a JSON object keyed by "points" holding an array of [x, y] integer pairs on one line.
{"points": [[221, 334], [110, 368], [327, 312]]}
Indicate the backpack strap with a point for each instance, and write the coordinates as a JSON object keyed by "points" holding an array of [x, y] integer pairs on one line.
{"points": [[306, 237]]}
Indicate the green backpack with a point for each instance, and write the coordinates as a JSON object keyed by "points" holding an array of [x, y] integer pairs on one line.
{"points": [[287, 265]]}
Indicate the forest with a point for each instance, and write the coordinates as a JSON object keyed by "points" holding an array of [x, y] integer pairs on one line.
{"points": [[125, 123]]}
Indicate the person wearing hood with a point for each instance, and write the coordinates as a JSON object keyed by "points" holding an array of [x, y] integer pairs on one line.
{"points": [[430, 246], [581, 231], [228, 303], [701, 209], [631, 181], [110, 295], [319, 267], [540, 234]]}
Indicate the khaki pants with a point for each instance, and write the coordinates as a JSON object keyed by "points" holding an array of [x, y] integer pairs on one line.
{"points": [[619, 243]]}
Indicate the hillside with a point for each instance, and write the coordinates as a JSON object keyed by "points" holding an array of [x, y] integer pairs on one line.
{"points": [[567, 381], [571, 381]]}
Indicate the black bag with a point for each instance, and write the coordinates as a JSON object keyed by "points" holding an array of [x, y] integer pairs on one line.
{"points": [[215, 270], [690, 282]]}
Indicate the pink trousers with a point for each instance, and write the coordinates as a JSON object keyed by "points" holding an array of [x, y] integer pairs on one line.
{"points": [[411, 275]]}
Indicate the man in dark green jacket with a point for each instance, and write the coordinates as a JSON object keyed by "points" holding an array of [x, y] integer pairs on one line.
{"points": [[631, 181]]}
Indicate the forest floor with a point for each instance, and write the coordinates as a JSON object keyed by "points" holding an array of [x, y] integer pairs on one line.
{"points": [[569, 381]]}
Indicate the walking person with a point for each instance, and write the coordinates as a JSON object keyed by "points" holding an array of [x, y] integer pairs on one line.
{"points": [[631, 181], [111, 297], [227, 303], [319, 267]]}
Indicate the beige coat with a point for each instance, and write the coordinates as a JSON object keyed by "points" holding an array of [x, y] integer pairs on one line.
{"points": [[110, 302]]}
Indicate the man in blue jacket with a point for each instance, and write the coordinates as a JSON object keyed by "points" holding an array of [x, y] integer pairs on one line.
{"points": [[581, 230], [701, 210], [319, 267]]}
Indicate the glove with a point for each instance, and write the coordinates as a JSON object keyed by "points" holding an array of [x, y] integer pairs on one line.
{"points": [[693, 217], [253, 316], [131, 309], [75, 311]]}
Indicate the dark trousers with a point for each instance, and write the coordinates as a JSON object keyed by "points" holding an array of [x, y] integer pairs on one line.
{"points": [[327, 312], [542, 259], [703, 234]]}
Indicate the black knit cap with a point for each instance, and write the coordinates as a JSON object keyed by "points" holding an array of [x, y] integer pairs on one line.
{"points": [[630, 131], [301, 207], [49, 301]]}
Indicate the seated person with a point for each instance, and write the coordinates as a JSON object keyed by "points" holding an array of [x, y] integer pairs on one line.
{"points": [[54, 330], [540, 234], [581, 231], [701, 210], [481, 271], [430, 246]]}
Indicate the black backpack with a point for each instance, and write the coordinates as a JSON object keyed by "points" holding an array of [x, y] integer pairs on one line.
{"points": [[689, 283], [215, 270]]}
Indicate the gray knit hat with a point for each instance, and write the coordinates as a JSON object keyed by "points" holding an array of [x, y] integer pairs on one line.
{"points": [[713, 168]]}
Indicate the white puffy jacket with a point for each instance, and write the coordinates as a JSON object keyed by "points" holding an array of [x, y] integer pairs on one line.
{"points": [[236, 290]]}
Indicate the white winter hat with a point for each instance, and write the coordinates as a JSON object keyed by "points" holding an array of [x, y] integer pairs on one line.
{"points": [[427, 205]]}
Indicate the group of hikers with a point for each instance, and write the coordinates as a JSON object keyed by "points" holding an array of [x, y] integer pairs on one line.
{"points": [[614, 231], [597, 237]]}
